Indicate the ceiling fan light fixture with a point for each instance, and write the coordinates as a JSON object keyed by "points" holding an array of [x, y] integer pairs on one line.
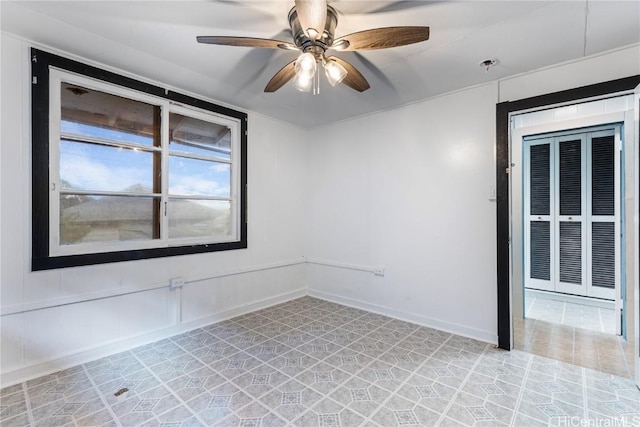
{"points": [[303, 84], [335, 72], [313, 24], [306, 66]]}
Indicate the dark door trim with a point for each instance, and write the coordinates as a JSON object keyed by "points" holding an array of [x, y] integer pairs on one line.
{"points": [[503, 110]]}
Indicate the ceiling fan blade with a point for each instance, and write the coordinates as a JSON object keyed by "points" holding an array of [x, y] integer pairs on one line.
{"points": [[281, 77], [246, 42], [312, 14], [382, 38], [354, 79]]}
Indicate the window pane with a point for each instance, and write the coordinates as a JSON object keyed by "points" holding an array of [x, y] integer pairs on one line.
{"points": [[85, 219], [98, 114], [192, 177], [199, 218], [97, 167], [189, 135]]}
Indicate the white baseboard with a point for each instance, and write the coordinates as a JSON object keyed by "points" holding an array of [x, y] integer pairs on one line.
{"points": [[485, 336], [89, 354]]}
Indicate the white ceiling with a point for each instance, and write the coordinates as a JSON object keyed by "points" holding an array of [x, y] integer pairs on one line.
{"points": [[156, 39]]}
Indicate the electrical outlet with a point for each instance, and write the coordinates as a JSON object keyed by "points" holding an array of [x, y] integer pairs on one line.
{"points": [[176, 282], [378, 271]]}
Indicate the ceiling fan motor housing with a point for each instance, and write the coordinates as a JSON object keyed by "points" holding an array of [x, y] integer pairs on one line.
{"points": [[322, 42]]}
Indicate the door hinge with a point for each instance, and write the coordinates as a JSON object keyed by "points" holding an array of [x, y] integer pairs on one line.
{"points": [[34, 80]]}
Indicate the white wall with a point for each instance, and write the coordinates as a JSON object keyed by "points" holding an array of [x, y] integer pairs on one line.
{"points": [[599, 68], [270, 270], [408, 190]]}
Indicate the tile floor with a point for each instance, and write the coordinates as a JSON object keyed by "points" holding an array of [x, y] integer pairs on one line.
{"points": [[573, 333], [590, 349], [310, 362], [566, 313]]}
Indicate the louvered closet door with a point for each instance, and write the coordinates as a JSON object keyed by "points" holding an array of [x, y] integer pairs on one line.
{"points": [[538, 228], [604, 231], [570, 215]]}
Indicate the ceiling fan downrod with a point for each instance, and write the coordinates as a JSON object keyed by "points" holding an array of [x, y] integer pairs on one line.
{"points": [[322, 41]]}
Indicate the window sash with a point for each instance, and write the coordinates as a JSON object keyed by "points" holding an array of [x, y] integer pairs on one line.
{"points": [[56, 78]]}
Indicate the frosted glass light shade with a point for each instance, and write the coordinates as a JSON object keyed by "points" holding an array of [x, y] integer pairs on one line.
{"points": [[303, 84], [305, 67], [335, 72]]}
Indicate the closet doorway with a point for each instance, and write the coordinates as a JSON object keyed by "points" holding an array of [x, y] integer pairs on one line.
{"points": [[571, 196], [572, 229]]}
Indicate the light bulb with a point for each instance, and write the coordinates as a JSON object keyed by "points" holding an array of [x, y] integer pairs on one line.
{"points": [[335, 72], [305, 67], [303, 84]]}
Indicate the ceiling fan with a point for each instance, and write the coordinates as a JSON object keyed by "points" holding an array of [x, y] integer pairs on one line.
{"points": [[313, 24]]}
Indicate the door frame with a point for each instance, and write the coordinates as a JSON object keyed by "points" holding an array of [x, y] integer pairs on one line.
{"points": [[636, 235], [503, 111]]}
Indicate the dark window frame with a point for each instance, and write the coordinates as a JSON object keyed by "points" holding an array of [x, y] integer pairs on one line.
{"points": [[41, 62]]}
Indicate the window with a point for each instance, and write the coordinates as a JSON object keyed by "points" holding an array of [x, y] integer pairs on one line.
{"points": [[125, 170]]}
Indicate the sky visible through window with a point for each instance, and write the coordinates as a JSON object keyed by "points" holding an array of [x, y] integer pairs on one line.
{"points": [[88, 166]]}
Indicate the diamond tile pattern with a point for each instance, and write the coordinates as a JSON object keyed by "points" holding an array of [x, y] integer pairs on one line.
{"points": [[310, 362]]}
